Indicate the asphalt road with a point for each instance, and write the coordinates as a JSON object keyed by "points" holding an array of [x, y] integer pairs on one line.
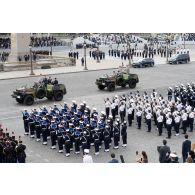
{"points": [[80, 87]]}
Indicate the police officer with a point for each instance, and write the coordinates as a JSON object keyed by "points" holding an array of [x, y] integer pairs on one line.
{"points": [[124, 134]]}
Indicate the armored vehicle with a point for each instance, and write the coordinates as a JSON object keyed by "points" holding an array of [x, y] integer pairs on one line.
{"points": [[27, 95], [122, 79]]}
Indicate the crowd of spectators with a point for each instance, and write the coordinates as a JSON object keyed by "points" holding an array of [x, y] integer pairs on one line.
{"points": [[11, 149], [4, 56], [189, 37], [46, 41], [5, 43]]}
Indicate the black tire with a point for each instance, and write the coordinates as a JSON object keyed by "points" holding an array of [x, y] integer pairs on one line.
{"points": [[132, 84], [40, 94], [58, 95], [101, 87], [123, 85], [111, 87], [20, 101], [50, 97], [152, 64], [29, 100]]}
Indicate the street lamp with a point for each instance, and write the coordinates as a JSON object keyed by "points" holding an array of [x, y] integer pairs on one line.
{"points": [[98, 56], [167, 51], [31, 64], [129, 48], [51, 47], [184, 39], [85, 46]]}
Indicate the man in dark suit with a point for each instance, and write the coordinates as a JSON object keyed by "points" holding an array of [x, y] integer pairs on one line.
{"points": [[163, 152], [113, 159], [186, 147]]}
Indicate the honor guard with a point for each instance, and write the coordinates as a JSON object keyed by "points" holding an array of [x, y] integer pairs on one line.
{"points": [[66, 138], [60, 133], [116, 134], [84, 141], [77, 135], [106, 137], [107, 107], [170, 93], [96, 141], [44, 128], [148, 120], [124, 134], [26, 120], [38, 128], [53, 129]]}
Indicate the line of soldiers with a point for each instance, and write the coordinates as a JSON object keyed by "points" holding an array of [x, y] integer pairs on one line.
{"points": [[97, 54], [176, 115], [72, 54], [74, 127], [11, 149]]}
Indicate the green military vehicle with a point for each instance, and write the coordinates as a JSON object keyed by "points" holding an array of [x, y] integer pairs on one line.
{"points": [[122, 79], [27, 95]]}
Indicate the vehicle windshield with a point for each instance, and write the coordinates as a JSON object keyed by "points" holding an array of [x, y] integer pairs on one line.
{"points": [[174, 56], [140, 60]]}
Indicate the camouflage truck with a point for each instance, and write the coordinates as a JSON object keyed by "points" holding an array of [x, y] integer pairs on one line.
{"points": [[122, 79], [27, 95]]}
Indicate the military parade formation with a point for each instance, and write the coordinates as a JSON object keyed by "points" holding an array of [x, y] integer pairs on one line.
{"points": [[77, 129], [74, 127], [174, 112]]}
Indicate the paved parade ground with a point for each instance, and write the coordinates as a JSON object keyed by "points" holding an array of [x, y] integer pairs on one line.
{"points": [[81, 87]]}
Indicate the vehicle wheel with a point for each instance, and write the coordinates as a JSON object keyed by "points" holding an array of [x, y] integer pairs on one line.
{"points": [[20, 101], [29, 100], [111, 87], [132, 84], [123, 85], [40, 94], [101, 87], [49, 97], [152, 64], [58, 95]]}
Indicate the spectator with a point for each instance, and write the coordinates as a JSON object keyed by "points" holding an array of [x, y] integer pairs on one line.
{"points": [[164, 152], [186, 147], [113, 160]]}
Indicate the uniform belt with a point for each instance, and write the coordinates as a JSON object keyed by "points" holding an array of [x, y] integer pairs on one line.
{"points": [[96, 139]]}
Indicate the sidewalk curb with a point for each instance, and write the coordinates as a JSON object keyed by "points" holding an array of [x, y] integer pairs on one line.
{"points": [[20, 77]]}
